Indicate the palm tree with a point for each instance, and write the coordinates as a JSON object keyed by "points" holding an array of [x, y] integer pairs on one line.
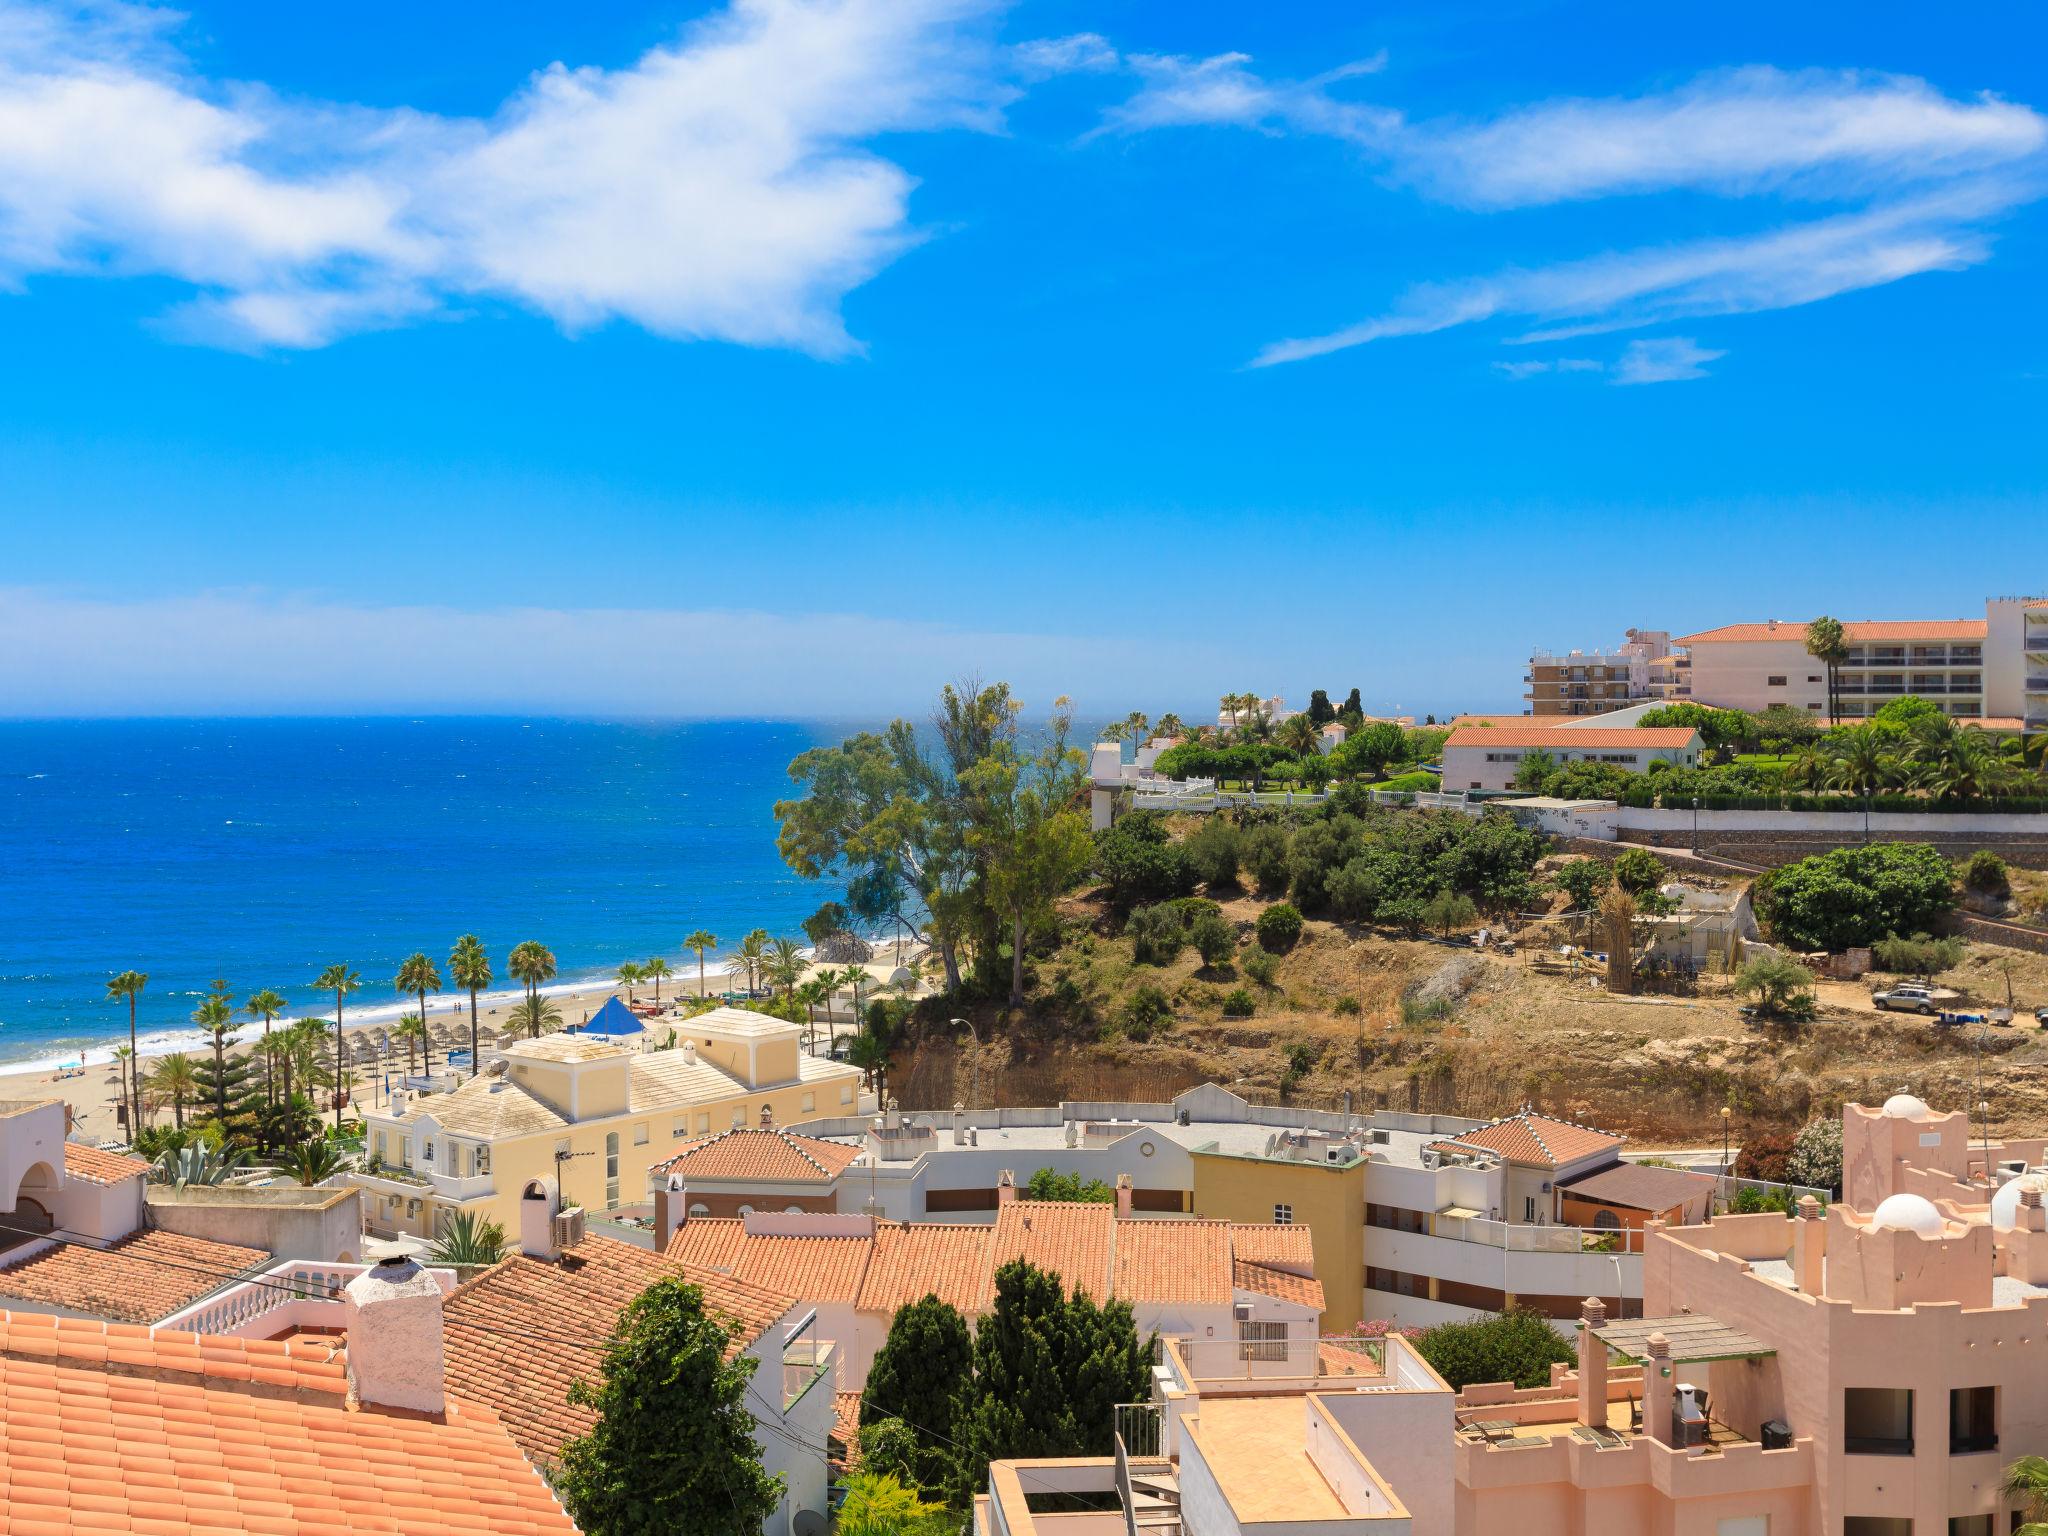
{"points": [[1168, 724], [266, 1005], [785, 966], [2026, 1483], [412, 1029], [537, 1015], [124, 1057], [129, 985], [216, 1015], [753, 951], [1827, 642], [419, 976], [471, 1240], [341, 981], [1808, 767], [700, 941], [532, 963], [654, 970], [305, 1043], [813, 992], [1298, 734], [176, 1080], [311, 1162], [471, 969], [1863, 762], [853, 976], [629, 975]]}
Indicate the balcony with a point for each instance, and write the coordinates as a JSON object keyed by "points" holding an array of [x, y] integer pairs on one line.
{"points": [[291, 1294], [805, 1362]]}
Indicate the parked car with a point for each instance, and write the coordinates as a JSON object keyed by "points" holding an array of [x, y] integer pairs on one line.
{"points": [[1906, 998]]}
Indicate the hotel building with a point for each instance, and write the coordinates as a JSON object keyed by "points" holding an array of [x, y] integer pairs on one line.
{"points": [[1644, 668]]}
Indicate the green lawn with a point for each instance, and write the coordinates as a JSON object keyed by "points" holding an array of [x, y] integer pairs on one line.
{"points": [[1762, 760]]}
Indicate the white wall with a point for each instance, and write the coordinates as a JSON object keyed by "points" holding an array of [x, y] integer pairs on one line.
{"points": [[1469, 768], [808, 1421], [1409, 1439], [1736, 675]]}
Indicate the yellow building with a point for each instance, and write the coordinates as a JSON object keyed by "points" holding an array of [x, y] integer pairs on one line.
{"points": [[1325, 1193], [594, 1114]]}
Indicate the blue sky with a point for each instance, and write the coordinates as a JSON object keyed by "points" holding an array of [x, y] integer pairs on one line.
{"points": [[800, 354]]}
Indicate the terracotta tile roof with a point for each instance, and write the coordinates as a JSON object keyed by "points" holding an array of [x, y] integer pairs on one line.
{"points": [[487, 1107], [97, 1167], [772, 1156], [844, 1435], [110, 1428], [1574, 737], [1279, 1283], [1537, 1140], [1289, 1247], [141, 1278], [1853, 631], [1491, 721], [494, 1360], [821, 1269], [928, 1258], [1174, 1261], [1074, 1241]]}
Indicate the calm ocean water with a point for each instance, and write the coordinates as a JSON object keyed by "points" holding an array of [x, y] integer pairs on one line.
{"points": [[263, 850]]}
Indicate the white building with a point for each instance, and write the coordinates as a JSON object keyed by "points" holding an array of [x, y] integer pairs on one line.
{"points": [[1488, 757]]}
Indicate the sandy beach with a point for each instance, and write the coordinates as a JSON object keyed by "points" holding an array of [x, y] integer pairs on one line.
{"points": [[94, 1092]]}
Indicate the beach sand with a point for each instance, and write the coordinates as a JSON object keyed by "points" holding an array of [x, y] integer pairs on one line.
{"points": [[94, 1095]]}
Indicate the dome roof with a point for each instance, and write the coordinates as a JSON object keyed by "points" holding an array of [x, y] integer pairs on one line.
{"points": [[1903, 1106], [2005, 1201], [1907, 1213]]}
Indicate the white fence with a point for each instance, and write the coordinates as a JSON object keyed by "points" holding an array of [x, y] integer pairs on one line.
{"points": [[296, 1293]]}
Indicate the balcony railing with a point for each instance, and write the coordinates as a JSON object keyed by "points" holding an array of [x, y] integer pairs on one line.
{"points": [[249, 1307], [804, 1362], [1878, 1445]]}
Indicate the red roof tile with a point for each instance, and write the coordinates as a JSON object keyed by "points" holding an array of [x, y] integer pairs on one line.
{"points": [[493, 1321], [1289, 1247], [105, 1427], [97, 1167], [1855, 631], [141, 1278], [1278, 1283], [1074, 1241], [928, 1258], [1560, 737], [824, 1269], [1174, 1261], [767, 1155], [1538, 1141]]}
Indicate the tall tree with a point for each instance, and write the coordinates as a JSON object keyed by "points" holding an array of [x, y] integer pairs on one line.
{"points": [[1828, 643], [673, 1448], [654, 970], [267, 1005], [1320, 710], [701, 940], [922, 1376], [174, 1081], [215, 1014], [341, 981], [1352, 706], [1298, 734], [128, 985], [785, 965], [629, 978], [531, 964], [753, 953], [469, 967], [412, 1029], [417, 976]]}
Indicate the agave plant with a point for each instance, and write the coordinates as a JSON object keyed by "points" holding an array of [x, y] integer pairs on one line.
{"points": [[197, 1163], [313, 1162], [470, 1239]]}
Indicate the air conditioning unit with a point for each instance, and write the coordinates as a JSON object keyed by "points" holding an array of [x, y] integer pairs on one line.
{"points": [[1241, 1311], [568, 1229], [1381, 1138]]}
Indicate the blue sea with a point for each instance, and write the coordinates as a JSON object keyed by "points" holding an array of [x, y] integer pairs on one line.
{"points": [[262, 851]]}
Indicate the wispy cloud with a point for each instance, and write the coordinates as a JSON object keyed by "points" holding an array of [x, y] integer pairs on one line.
{"points": [[1664, 360], [1222, 91], [719, 187], [1078, 53], [1529, 368]]}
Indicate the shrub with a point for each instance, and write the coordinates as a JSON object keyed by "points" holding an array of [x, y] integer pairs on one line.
{"points": [[1855, 895], [1262, 966], [1157, 933], [1638, 870], [1279, 928], [1448, 910], [1347, 1006], [1138, 863], [1214, 850], [1068, 1188], [1518, 1346], [1917, 956], [1301, 1059], [1583, 880], [1984, 872], [1764, 1157], [1070, 999], [1782, 988], [1420, 1010], [1214, 937], [1237, 1004], [1263, 856], [1816, 1156], [1146, 1011], [1754, 1202]]}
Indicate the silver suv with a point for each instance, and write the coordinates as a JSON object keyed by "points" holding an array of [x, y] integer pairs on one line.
{"points": [[1906, 998]]}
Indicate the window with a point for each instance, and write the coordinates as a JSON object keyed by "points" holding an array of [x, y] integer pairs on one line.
{"points": [[1972, 1420], [680, 1124], [703, 1122], [1529, 1208], [1969, 1525], [793, 1210], [427, 1150], [611, 1169], [1606, 1221], [846, 1093], [746, 1210], [1877, 1421], [483, 1160], [699, 1208], [640, 1134], [380, 1146], [810, 1102], [1774, 682], [1283, 1215], [1813, 679], [1877, 1525], [405, 1152], [1262, 1341]]}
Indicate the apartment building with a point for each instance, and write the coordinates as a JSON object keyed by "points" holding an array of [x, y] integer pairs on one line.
{"points": [[1487, 757], [592, 1116], [1645, 668]]}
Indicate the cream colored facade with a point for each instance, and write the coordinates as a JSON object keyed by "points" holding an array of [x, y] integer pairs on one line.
{"points": [[594, 1114]]}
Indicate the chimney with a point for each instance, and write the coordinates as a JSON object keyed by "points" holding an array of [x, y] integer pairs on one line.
{"points": [[690, 1053], [2029, 1237], [1657, 1389], [671, 1210], [1006, 1188], [959, 1124], [1123, 1197], [1073, 1134], [1809, 1248], [1592, 1364], [392, 1312], [537, 1220]]}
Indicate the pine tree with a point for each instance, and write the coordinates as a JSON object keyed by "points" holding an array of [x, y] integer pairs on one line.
{"points": [[230, 1080], [1319, 709], [673, 1449], [920, 1376]]}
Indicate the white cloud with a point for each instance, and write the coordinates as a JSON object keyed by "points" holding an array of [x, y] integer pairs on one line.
{"points": [[1078, 53], [223, 653], [1663, 360], [1531, 368], [1222, 91], [716, 188]]}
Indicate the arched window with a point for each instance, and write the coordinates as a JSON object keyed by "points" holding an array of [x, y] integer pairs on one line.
{"points": [[746, 1210], [794, 1210], [1607, 1221], [699, 1208]]}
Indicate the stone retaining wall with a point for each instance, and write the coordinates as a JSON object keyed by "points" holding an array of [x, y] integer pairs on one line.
{"points": [[1773, 848], [1969, 925]]}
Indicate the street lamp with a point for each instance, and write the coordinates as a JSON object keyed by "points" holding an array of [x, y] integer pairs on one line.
{"points": [[1727, 1115], [1984, 1121], [1695, 826]]}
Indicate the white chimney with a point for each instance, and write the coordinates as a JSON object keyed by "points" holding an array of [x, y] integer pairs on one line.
{"points": [[392, 1311], [537, 1221], [671, 1210], [690, 1052], [959, 1125]]}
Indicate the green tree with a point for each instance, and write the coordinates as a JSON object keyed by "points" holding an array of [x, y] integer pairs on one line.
{"points": [[879, 1504], [1139, 863], [921, 1378], [532, 964], [215, 1014], [537, 1015], [1298, 734], [1783, 988], [1320, 713], [1582, 880], [829, 921], [1157, 933], [1278, 928], [468, 1240], [1828, 643], [1070, 1188], [753, 954], [1535, 767], [1855, 896], [311, 1162], [266, 1005], [418, 976], [341, 981], [127, 987], [1448, 911], [1638, 871], [1863, 760], [2026, 1483], [654, 969], [1518, 1346], [630, 976], [785, 965], [173, 1080], [1212, 935], [412, 1029], [673, 1448], [469, 967], [699, 941]]}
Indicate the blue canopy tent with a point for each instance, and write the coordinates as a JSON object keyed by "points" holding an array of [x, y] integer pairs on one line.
{"points": [[614, 1018]]}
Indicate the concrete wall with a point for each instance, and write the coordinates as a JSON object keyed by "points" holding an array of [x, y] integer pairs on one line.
{"points": [[322, 1224]]}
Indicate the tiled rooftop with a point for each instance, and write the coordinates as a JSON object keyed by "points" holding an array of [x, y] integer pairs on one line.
{"points": [[1073, 1241], [1184, 1261], [97, 1167], [927, 1258], [825, 1269], [741, 1022], [1854, 631], [1288, 1247], [567, 1048], [1282, 1284], [1537, 1141], [774, 1156], [494, 1322], [140, 1278], [489, 1108], [108, 1428]]}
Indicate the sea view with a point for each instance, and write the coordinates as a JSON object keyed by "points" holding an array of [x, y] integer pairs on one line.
{"points": [[263, 850]]}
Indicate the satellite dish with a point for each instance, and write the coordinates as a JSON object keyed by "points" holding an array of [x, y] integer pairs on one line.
{"points": [[807, 1522]]}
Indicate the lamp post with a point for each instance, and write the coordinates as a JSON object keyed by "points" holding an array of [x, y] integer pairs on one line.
{"points": [[1984, 1124], [1695, 826], [1727, 1115]]}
